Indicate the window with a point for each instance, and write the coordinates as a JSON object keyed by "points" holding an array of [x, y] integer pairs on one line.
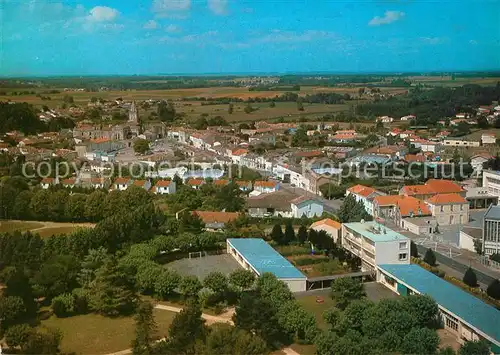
{"points": [[403, 245], [403, 257], [442, 208], [461, 207], [451, 323], [451, 208]]}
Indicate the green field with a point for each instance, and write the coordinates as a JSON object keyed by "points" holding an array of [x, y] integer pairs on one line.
{"points": [[95, 334], [44, 229], [311, 305]]}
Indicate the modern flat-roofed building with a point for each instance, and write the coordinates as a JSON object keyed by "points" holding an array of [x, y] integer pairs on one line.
{"points": [[375, 244], [491, 231], [491, 181], [256, 255], [464, 315]]}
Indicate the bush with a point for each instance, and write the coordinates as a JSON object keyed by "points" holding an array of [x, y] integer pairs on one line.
{"points": [[293, 250], [430, 258], [81, 301], [470, 278], [18, 335], [330, 268], [310, 261], [494, 289], [63, 305]]}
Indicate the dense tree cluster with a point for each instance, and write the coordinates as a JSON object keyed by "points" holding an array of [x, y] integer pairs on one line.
{"points": [[353, 211]]}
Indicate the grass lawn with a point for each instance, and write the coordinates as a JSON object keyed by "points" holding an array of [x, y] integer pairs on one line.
{"points": [[48, 232], [310, 305], [11, 226], [95, 334]]}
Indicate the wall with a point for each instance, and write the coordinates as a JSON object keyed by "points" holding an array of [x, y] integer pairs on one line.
{"points": [[451, 213], [492, 182], [296, 285], [309, 210], [466, 241], [388, 252]]}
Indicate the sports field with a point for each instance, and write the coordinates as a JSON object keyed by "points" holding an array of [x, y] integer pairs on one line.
{"points": [[201, 267]]}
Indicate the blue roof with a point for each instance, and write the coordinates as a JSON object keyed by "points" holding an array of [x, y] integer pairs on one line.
{"points": [[471, 309], [375, 231], [263, 258]]}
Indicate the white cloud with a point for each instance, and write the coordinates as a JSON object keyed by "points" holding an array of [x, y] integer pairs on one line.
{"points": [[151, 25], [277, 36], [172, 28], [102, 14], [171, 8], [218, 7], [389, 17]]}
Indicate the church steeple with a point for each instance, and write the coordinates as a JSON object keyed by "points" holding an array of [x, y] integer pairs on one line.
{"points": [[132, 114]]}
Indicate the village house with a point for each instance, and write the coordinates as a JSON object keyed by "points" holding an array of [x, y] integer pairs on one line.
{"points": [[237, 154], [99, 183], [408, 118], [364, 194], [456, 142], [449, 209], [47, 182], [385, 119], [245, 186], [306, 206], [274, 204], [70, 183], [221, 182], [397, 207], [432, 187], [121, 183], [216, 221], [266, 186], [478, 160], [164, 187], [145, 184], [195, 183], [488, 138], [333, 228]]}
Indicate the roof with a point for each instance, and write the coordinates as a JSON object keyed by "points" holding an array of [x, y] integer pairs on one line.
{"points": [[69, 181], [279, 200], [311, 154], [243, 183], [414, 158], [493, 212], [262, 183], [139, 183], [328, 222], [375, 231], [121, 181], [444, 199], [263, 258], [407, 205], [48, 180], [100, 140], [163, 183], [221, 182], [195, 182], [433, 186], [361, 190], [302, 199], [238, 152], [469, 308], [216, 217]]}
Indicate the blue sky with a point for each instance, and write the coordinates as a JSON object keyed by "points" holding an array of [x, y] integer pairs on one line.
{"points": [[86, 37]]}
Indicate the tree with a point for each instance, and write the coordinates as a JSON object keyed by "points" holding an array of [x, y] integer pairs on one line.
{"points": [[57, 276], [42, 341], [243, 279], [186, 328], [420, 341], [166, 283], [248, 108], [482, 122], [413, 249], [300, 105], [345, 290], [190, 286], [272, 104], [226, 339], [302, 234], [494, 289], [429, 257], [289, 235], [141, 146], [111, 293], [94, 206], [148, 273], [258, 317], [495, 257], [352, 210], [166, 111], [75, 207], [423, 309], [470, 278], [145, 327], [18, 335], [480, 347], [12, 309], [277, 234], [216, 281], [230, 108]]}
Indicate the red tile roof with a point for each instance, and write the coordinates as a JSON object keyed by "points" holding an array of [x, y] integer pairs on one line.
{"points": [[407, 205], [121, 181], [221, 182], [361, 190], [262, 183], [327, 221], [195, 182], [163, 183], [444, 199]]}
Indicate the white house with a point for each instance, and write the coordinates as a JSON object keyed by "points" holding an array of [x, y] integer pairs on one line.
{"points": [[121, 184], [427, 146], [364, 194], [408, 118], [163, 187], [385, 119], [488, 138], [491, 181], [266, 186], [478, 160], [460, 143], [449, 209], [47, 182], [306, 206], [145, 184]]}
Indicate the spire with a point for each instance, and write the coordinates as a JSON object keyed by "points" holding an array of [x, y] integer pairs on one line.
{"points": [[132, 114]]}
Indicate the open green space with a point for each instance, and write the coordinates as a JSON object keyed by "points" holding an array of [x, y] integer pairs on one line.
{"points": [[95, 334], [22, 226], [317, 305]]}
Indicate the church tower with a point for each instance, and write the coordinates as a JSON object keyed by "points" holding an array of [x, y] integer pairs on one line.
{"points": [[132, 114]]}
